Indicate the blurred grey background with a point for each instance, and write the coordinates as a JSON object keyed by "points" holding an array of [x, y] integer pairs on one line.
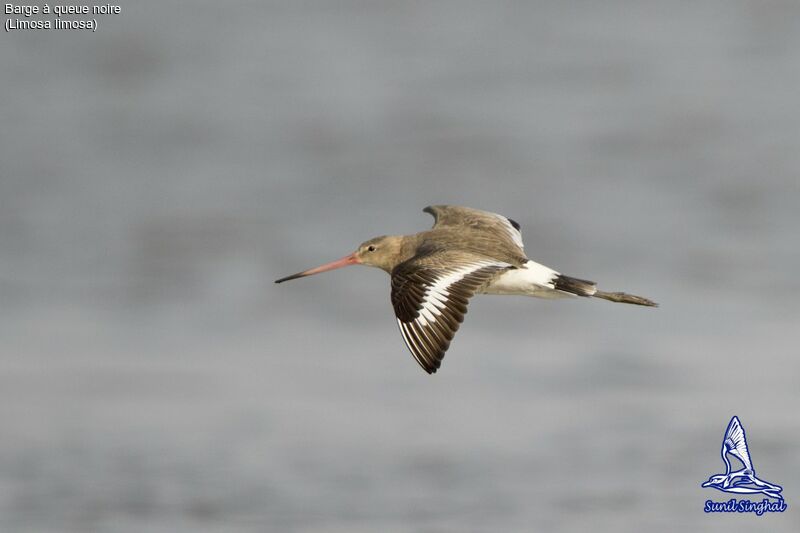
{"points": [[156, 176]]}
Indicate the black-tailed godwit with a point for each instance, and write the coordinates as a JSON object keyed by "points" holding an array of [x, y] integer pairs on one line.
{"points": [[435, 273]]}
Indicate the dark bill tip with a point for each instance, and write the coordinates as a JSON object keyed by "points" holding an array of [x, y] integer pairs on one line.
{"points": [[289, 278]]}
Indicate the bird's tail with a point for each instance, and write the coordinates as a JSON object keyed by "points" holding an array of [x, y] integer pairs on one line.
{"points": [[772, 494], [582, 287]]}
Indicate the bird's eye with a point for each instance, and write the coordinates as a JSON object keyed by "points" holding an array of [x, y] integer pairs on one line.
{"points": [[370, 248]]}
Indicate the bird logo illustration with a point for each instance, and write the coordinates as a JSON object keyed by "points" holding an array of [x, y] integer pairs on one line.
{"points": [[744, 480]]}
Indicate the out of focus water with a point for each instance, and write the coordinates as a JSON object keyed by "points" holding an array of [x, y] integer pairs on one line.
{"points": [[158, 175]]}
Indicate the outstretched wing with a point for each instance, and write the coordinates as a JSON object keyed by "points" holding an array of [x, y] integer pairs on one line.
{"points": [[430, 294], [735, 443], [505, 228]]}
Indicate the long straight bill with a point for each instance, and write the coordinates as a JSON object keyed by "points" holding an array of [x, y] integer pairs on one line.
{"points": [[333, 265]]}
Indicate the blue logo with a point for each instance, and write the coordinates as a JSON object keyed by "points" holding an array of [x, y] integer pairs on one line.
{"points": [[742, 481]]}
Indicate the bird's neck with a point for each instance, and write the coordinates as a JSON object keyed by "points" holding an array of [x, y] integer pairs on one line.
{"points": [[401, 249]]}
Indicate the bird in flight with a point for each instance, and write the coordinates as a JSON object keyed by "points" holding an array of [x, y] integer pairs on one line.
{"points": [[434, 273], [743, 481]]}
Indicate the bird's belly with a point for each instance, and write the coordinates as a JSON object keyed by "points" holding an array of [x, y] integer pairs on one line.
{"points": [[532, 279]]}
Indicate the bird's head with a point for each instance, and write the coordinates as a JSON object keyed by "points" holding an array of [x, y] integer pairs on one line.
{"points": [[715, 481], [381, 252]]}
